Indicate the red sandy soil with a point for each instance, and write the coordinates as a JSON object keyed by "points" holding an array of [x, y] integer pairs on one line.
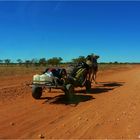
{"points": [[111, 110]]}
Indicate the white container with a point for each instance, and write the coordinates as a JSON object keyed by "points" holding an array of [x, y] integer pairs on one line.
{"points": [[36, 78], [43, 78], [49, 74]]}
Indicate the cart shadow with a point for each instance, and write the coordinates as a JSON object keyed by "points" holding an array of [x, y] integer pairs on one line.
{"points": [[61, 99], [98, 90], [102, 87], [111, 84]]}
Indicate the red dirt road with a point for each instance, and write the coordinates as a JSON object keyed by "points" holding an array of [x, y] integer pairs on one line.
{"points": [[111, 110]]}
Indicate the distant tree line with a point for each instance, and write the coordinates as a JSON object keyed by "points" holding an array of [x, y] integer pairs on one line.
{"points": [[52, 61], [33, 62], [41, 61]]}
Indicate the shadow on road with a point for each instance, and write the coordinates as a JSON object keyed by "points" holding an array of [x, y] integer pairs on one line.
{"points": [[97, 90], [111, 84], [61, 99], [101, 87]]}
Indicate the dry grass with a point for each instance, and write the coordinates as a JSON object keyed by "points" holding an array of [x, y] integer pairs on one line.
{"points": [[103, 67], [19, 70], [22, 70]]}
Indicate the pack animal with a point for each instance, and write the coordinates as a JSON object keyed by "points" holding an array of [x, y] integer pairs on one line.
{"points": [[92, 62]]}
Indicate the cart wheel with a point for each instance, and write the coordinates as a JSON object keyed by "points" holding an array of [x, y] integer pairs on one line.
{"points": [[88, 86], [69, 92], [36, 92]]}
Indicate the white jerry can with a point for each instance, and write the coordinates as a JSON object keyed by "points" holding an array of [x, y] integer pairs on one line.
{"points": [[36, 78], [43, 78]]}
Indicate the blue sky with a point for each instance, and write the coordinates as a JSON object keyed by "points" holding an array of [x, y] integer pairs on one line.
{"points": [[68, 29]]}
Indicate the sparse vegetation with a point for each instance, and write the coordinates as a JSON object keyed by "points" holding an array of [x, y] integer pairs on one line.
{"points": [[7, 67], [19, 70], [79, 59], [54, 61]]}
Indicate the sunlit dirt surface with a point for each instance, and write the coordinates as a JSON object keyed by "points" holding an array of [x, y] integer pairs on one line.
{"points": [[111, 110]]}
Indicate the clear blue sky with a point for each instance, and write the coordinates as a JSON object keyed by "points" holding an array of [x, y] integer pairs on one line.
{"points": [[69, 29]]}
